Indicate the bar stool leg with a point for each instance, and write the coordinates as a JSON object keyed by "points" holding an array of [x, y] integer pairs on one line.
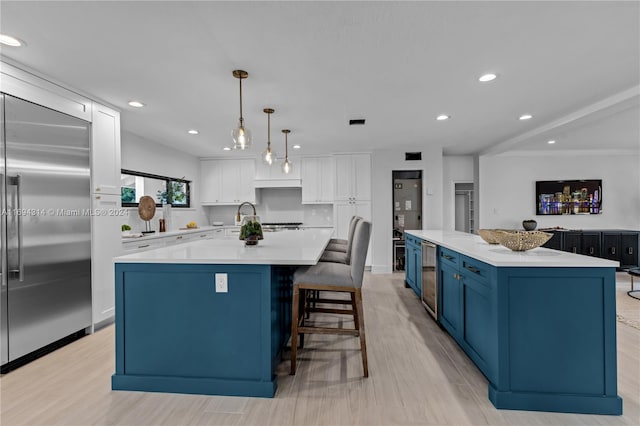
{"points": [[294, 328]]}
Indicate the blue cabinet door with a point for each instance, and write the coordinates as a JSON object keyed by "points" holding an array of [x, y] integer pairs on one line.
{"points": [[477, 331], [448, 279], [417, 262], [410, 267]]}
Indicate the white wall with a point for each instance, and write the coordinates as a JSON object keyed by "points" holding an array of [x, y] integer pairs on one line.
{"points": [[507, 188], [141, 155], [455, 169], [383, 164]]}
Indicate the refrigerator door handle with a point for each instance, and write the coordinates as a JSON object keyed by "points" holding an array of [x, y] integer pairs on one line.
{"points": [[15, 181]]}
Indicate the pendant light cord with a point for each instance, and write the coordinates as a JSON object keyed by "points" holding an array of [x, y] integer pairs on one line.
{"points": [[268, 132], [241, 119], [286, 147]]}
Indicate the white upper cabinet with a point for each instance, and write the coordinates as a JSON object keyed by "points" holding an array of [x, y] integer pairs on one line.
{"points": [[317, 180], [105, 150], [353, 177], [227, 181]]}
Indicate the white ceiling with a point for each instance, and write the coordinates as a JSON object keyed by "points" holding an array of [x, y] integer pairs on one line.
{"points": [[319, 64]]}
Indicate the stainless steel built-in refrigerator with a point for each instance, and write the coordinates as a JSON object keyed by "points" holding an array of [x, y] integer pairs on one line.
{"points": [[46, 229]]}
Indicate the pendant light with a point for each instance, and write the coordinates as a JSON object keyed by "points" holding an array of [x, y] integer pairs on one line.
{"points": [[268, 156], [241, 135], [286, 164]]}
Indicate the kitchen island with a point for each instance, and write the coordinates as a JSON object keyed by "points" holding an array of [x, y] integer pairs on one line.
{"points": [[540, 324], [208, 317]]}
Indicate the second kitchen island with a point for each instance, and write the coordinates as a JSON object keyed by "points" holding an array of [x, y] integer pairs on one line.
{"points": [[208, 317], [540, 324]]}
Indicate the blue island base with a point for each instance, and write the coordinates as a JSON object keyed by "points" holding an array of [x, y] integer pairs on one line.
{"points": [[530, 401], [175, 333], [194, 385]]}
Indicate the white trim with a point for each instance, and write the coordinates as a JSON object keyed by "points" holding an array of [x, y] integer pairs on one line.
{"points": [[571, 153]]}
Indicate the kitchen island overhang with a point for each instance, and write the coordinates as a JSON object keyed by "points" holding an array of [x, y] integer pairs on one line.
{"points": [[540, 325], [176, 333]]}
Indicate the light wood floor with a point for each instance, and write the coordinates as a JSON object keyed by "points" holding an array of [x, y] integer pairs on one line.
{"points": [[418, 376]]}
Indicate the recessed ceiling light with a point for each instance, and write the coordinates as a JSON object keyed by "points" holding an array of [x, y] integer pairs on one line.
{"points": [[442, 117], [193, 132], [487, 77], [136, 104], [226, 148], [10, 41], [297, 147], [551, 142], [525, 117]]}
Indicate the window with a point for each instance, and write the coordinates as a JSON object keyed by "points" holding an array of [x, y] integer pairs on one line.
{"points": [[162, 189]]}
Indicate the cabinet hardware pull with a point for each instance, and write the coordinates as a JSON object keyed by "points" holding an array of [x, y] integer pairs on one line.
{"points": [[474, 270], [179, 238], [143, 246], [446, 256], [630, 251], [201, 236], [97, 197], [574, 250], [613, 250]]}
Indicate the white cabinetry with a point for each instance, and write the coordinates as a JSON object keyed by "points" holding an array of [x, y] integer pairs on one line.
{"points": [[227, 181], [105, 199], [352, 193], [353, 177], [105, 150], [317, 180]]}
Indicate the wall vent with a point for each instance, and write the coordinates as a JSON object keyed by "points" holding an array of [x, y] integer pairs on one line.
{"points": [[412, 156], [357, 122]]}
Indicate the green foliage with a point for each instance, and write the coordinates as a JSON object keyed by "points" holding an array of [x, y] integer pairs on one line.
{"points": [[250, 228], [128, 195], [175, 193], [126, 227]]}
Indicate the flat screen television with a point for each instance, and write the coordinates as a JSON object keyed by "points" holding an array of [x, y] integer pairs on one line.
{"points": [[555, 197]]}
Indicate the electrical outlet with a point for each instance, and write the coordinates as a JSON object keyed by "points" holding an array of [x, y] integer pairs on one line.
{"points": [[221, 283]]}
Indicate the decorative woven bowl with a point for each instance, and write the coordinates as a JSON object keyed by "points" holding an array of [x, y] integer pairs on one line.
{"points": [[523, 240], [489, 235]]}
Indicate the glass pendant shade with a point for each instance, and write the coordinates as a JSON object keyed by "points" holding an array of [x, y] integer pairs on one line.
{"points": [[286, 164], [268, 156], [241, 135]]}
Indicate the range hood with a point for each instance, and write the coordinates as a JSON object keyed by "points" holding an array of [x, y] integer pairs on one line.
{"points": [[277, 183]]}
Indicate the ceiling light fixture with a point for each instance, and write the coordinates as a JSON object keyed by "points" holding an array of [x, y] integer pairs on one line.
{"points": [[525, 117], [551, 142], [286, 164], [442, 117], [193, 132], [268, 156], [241, 136], [297, 147], [136, 104], [487, 77], [226, 148], [7, 40]]}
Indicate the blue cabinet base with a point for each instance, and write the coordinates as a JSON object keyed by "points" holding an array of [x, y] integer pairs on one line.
{"points": [[529, 401], [175, 333], [193, 385]]}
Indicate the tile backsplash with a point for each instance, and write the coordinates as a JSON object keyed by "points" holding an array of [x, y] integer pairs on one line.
{"points": [[277, 205]]}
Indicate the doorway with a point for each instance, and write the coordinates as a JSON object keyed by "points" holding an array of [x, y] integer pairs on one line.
{"points": [[406, 210], [464, 210]]}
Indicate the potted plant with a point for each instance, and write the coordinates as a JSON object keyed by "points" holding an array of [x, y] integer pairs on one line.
{"points": [[251, 231]]}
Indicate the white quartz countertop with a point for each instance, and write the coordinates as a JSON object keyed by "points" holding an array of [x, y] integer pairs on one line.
{"points": [[497, 255], [302, 247]]}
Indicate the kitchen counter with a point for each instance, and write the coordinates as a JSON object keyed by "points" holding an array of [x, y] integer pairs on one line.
{"points": [[277, 248], [497, 255], [540, 324], [209, 316]]}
